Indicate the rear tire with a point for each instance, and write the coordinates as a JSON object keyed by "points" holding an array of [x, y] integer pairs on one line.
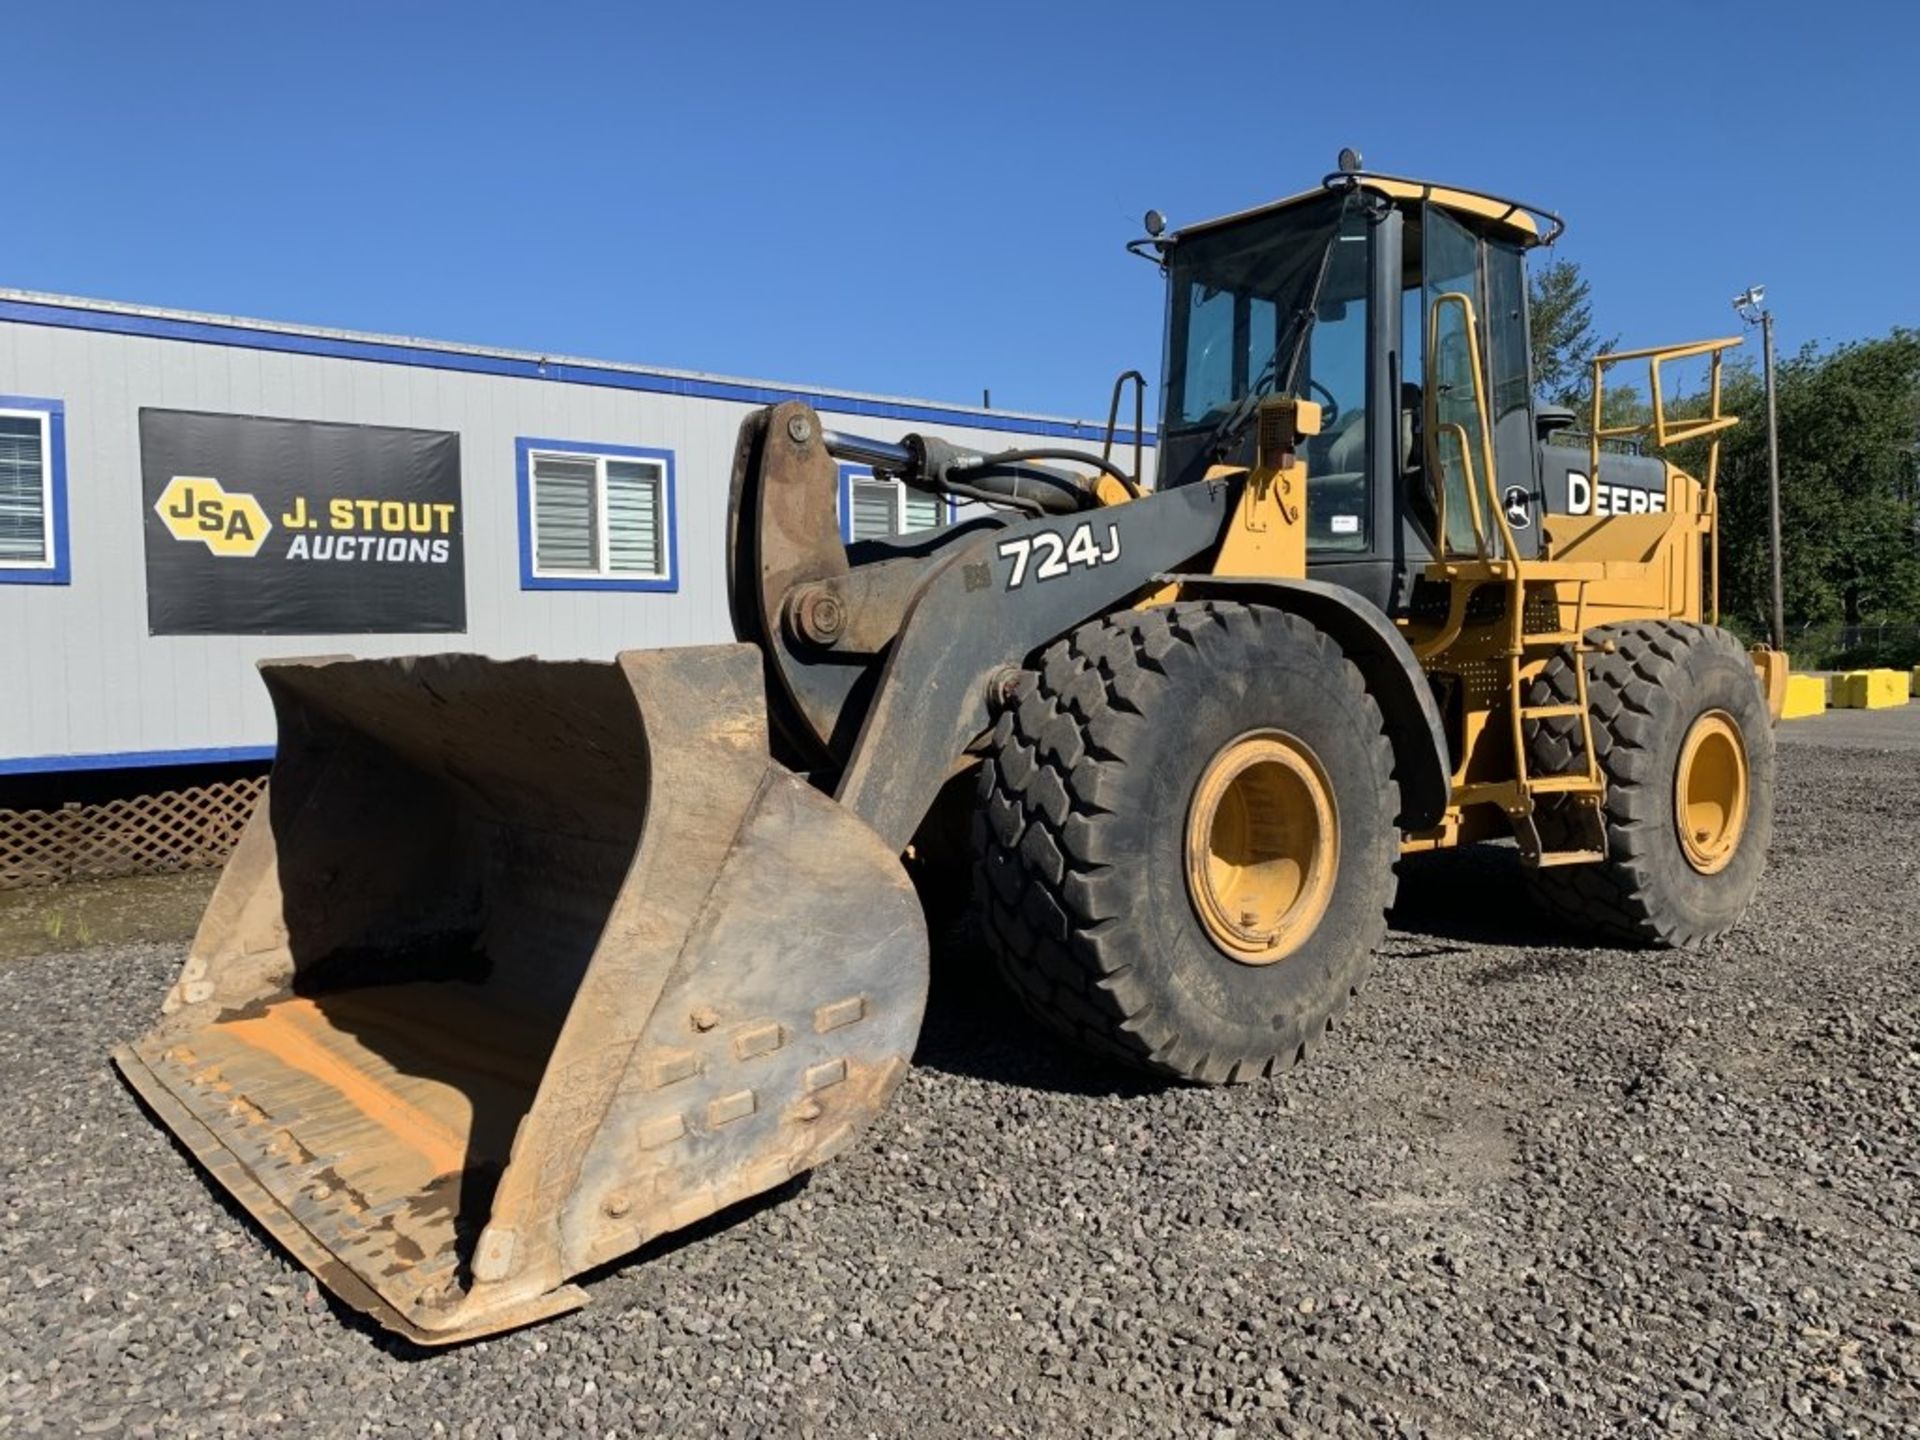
{"points": [[1665, 683], [1083, 846]]}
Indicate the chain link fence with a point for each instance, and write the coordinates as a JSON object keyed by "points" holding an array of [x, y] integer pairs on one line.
{"points": [[1830, 646]]}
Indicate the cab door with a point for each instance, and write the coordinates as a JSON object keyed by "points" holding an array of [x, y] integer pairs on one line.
{"points": [[1351, 367], [1479, 392], [1509, 362]]}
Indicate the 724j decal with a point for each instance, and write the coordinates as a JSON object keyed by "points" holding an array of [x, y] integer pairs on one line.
{"points": [[1046, 556]]}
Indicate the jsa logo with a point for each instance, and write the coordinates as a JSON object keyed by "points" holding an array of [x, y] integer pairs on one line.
{"points": [[197, 507], [1048, 557]]}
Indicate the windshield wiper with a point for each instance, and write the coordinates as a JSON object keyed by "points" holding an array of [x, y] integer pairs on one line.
{"points": [[1226, 433]]}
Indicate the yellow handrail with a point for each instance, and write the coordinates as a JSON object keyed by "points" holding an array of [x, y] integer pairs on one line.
{"points": [[1661, 430], [1431, 406]]}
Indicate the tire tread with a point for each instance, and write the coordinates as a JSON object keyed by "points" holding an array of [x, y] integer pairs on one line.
{"points": [[1630, 695], [1042, 852]]}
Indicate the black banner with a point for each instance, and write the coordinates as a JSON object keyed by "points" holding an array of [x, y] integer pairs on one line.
{"points": [[300, 527]]}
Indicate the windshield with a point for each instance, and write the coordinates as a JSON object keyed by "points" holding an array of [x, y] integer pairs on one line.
{"points": [[1238, 298]]}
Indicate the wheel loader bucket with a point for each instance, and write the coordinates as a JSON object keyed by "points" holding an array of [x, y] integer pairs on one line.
{"points": [[521, 964]]}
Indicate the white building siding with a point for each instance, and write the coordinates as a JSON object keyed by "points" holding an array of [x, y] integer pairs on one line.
{"points": [[82, 683]]}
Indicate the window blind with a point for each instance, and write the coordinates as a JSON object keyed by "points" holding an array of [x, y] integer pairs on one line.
{"points": [[872, 509], [23, 491], [566, 536], [633, 518]]}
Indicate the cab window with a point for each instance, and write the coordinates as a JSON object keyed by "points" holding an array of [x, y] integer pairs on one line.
{"points": [[1209, 351], [1510, 387], [1334, 374], [1450, 261]]}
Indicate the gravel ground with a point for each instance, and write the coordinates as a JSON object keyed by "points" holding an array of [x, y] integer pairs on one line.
{"points": [[1535, 1190]]}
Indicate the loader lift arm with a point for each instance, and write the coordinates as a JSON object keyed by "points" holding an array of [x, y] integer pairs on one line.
{"points": [[891, 691]]}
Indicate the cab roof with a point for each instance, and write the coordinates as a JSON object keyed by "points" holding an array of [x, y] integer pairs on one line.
{"points": [[1533, 225]]}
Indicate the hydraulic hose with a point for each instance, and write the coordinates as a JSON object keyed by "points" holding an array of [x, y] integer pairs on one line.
{"points": [[1014, 478]]}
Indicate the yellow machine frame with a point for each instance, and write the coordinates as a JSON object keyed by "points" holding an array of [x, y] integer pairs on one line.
{"points": [[1592, 570]]}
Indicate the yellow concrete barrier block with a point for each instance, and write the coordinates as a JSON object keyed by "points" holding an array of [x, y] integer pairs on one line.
{"points": [[1806, 695], [1869, 690]]}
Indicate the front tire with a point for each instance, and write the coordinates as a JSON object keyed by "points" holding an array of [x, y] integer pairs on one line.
{"points": [[1682, 732], [1186, 838]]}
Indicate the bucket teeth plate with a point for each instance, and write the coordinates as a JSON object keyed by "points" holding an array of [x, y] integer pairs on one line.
{"points": [[522, 964]]}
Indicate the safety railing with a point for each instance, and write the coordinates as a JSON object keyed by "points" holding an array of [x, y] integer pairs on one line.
{"points": [[1661, 429]]}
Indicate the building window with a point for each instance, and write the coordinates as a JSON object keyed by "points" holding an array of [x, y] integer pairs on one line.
{"points": [[595, 517], [33, 491], [872, 509]]}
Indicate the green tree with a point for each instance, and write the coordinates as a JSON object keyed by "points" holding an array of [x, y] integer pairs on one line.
{"points": [[1621, 404], [1849, 422], [1561, 333]]}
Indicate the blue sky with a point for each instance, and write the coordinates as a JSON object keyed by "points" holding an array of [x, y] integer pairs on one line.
{"points": [[927, 200]]}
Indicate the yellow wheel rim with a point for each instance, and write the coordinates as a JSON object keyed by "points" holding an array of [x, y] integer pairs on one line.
{"points": [[1263, 845], [1710, 792]]}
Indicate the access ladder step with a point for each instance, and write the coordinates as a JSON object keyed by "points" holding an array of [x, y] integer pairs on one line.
{"points": [[1553, 637], [1565, 785], [1550, 712], [1547, 859]]}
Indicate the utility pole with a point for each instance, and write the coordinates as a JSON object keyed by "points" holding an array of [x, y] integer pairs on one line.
{"points": [[1751, 310]]}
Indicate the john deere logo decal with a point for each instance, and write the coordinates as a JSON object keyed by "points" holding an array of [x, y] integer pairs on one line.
{"points": [[1519, 506], [197, 507]]}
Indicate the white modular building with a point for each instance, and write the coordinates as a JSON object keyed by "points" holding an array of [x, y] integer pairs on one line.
{"points": [[182, 495]]}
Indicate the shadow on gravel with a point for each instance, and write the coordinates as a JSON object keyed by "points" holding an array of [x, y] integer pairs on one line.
{"points": [[1456, 899], [86, 914], [1476, 895], [976, 1029]]}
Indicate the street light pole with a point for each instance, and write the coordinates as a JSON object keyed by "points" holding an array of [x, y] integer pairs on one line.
{"points": [[1749, 306], [1773, 479]]}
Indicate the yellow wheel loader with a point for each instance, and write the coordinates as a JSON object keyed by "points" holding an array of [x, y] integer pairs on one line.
{"points": [[521, 964]]}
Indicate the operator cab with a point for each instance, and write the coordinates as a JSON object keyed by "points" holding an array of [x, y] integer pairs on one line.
{"points": [[1350, 296]]}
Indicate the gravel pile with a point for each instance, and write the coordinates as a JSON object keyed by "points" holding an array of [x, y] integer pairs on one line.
{"points": [[1535, 1190]]}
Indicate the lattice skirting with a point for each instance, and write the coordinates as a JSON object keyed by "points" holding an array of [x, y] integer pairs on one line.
{"points": [[142, 834]]}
